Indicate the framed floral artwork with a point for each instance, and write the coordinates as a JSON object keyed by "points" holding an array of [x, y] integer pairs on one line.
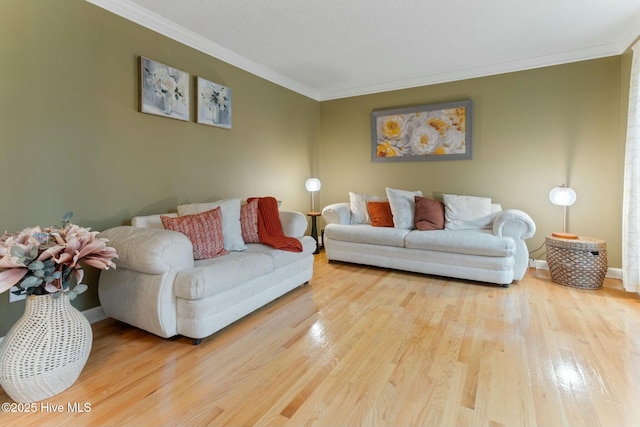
{"points": [[214, 104], [426, 132], [163, 90]]}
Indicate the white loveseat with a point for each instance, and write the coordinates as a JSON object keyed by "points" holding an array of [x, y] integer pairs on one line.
{"points": [[158, 286], [496, 253]]}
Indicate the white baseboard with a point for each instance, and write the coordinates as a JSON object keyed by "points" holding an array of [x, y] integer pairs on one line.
{"points": [[613, 273], [93, 315]]}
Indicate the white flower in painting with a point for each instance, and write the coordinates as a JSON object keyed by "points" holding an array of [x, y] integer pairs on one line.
{"points": [[424, 140], [453, 142], [168, 85], [215, 97]]}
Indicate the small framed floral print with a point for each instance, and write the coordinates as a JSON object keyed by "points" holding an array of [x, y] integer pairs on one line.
{"points": [[425, 132], [163, 90], [213, 104]]}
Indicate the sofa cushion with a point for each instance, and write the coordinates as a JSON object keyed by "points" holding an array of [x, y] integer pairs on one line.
{"points": [[358, 205], [471, 242], [281, 258], [429, 214], [203, 229], [403, 206], [365, 233], [380, 213], [467, 212], [230, 220], [212, 276]]}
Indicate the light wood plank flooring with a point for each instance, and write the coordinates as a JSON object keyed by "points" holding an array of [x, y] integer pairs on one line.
{"points": [[366, 346]]}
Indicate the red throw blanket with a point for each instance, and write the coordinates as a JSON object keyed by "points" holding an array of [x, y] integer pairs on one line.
{"points": [[270, 228]]}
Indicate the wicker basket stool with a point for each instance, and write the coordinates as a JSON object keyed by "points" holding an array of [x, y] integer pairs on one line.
{"points": [[580, 263]]}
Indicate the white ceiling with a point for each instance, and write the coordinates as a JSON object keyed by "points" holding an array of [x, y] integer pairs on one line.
{"points": [[328, 49]]}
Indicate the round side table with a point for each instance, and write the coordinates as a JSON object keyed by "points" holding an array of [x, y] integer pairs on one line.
{"points": [[314, 228]]}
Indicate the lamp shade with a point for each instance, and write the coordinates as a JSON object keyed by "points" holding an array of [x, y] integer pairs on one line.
{"points": [[562, 196], [313, 184]]}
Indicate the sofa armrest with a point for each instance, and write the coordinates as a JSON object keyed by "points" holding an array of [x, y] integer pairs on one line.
{"points": [[514, 223], [337, 213], [150, 250], [294, 224], [519, 226]]}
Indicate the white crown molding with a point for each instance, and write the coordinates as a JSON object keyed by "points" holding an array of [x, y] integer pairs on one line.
{"points": [[629, 36], [471, 73], [154, 22], [144, 17]]}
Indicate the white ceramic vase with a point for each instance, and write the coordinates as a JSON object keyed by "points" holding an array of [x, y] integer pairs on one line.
{"points": [[45, 351]]}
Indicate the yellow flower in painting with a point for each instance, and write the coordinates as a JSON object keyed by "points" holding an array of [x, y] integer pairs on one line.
{"points": [[385, 149], [440, 150], [457, 116], [439, 125], [393, 127]]}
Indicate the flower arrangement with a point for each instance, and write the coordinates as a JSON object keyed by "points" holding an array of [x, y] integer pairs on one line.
{"points": [[165, 84], [215, 97], [41, 261]]}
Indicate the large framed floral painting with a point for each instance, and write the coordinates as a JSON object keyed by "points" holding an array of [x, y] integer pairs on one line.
{"points": [[425, 132], [214, 104], [164, 90]]}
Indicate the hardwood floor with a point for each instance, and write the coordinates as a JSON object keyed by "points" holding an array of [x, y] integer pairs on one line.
{"points": [[366, 346]]}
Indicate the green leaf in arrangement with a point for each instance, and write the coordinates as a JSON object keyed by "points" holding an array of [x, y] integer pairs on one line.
{"points": [[80, 288], [17, 251], [36, 265], [30, 281]]}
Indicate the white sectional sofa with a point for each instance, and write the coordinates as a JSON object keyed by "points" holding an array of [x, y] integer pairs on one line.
{"points": [[159, 287], [494, 252]]}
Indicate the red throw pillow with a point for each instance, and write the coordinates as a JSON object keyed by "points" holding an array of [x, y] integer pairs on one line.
{"points": [[429, 214], [203, 229], [380, 213], [249, 221]]}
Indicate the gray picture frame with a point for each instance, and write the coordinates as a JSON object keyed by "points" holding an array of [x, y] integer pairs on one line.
{"points": [[430, 132]]}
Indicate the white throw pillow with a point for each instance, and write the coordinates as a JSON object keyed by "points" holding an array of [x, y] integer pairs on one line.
{"points": [[358, 205], [231, 229], [466, 212], [403, 207]]}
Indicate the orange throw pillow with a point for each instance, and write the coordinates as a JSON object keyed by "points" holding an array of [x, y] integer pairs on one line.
{"points": [[429, 214], [380, 213], [203, 229]]}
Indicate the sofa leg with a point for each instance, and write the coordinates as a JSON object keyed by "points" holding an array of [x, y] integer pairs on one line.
{"points": [[197, 341], [506, 285]]}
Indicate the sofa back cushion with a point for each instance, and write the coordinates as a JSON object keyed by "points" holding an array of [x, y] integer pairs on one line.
{"points": [[358, 203], [403, 206], [467, 212]]}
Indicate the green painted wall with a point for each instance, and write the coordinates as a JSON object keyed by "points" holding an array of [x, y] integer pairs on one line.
{"points": [[71, 137], [532, 130]]}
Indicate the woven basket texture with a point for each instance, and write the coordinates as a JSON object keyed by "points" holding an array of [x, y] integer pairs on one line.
{"points": [[577, 263], [45, 350]]}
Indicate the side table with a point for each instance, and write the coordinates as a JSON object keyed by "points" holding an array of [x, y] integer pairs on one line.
{"points": [[314, 228], [579, 263]]}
